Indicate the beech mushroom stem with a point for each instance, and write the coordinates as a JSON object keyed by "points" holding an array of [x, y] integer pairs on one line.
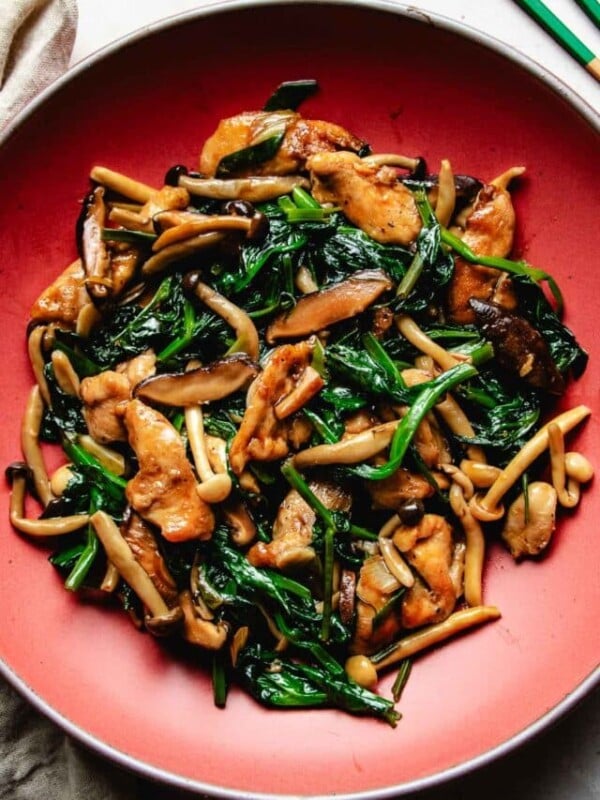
{"points": [[30, 430], [119, 553], [18, 475], [526, 456], [245, 330]]}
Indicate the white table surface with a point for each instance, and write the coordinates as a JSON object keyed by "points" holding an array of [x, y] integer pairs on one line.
{"points": [[564, 763]]}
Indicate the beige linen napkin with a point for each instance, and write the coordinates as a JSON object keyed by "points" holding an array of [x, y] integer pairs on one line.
{"points": [[36, 39]]}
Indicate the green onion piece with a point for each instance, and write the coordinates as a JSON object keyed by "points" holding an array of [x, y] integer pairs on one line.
{"points": [[309, 214], [401, 679], [88, 555], [219, 680], [290, 94], [327, 583], [514, 267], [286, 204], [413, 273], [303, 199]]}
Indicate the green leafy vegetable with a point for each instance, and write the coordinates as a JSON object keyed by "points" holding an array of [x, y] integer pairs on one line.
{"points": [[291, 94]]}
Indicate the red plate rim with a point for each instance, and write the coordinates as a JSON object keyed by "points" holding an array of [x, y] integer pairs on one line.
{"points": [[215, 8]]}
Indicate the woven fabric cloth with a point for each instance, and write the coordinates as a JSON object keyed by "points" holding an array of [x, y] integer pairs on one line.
{"points": [[36, 40], [38, 761]]}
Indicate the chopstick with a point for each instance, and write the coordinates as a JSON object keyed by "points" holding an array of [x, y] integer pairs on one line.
{"points": [[559, 31], [592, 9]]}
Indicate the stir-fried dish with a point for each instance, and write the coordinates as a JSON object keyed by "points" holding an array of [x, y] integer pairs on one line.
{"points": [[298, 392]]}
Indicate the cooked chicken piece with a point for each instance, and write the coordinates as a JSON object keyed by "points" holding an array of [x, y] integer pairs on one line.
{"points": [[430, 550], [293, 528], [302, 138], [530, 521], [169, 198], [62, 301], [371, 197], [360, 421], [378, 619], [263, 435], [489, 231], [143, 545], [163, 492], [403, 485], [431, 443], [124, 260], [104, 394]]}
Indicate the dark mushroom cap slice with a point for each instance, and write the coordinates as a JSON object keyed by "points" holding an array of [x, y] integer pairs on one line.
{"points": [[92, 249], [519, 348], [318, 310], [201, 385], [18, 469]]}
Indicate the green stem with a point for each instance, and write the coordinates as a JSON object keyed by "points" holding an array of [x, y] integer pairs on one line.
{"points": [[408, 426], [327, 583], [408, 282], [298, 483], [80, 456], [378, 352], [179, 344], [514, 267], [161, 294], [88, 555], [328, 435], [219, 680], [401, 679], [303, 199]]}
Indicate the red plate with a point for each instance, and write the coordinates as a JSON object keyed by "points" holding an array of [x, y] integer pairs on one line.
{"points": [[406, 86]]}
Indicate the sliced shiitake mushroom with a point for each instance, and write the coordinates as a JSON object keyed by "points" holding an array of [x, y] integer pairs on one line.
{"points": [[518, 346], [200, 385], [92, 249], [316, 311]]}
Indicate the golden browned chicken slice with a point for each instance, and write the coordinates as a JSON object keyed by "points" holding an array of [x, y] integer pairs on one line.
{"points": [[370, 196], [163, 492], [489, 231], [62, 301], [104, 394], [430, 550], [302, 139], [124, 261], [264, 434], [143, 545], [436, 562], [403, 485], [293, 528], [378, 619]]}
